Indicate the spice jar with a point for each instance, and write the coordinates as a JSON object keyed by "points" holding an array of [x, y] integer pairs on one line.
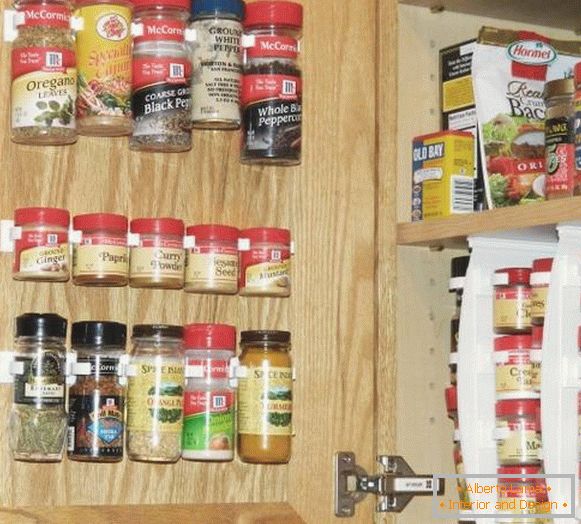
{"points": [[452, 404], [212, 262], [540, 279], [41, 249], [38, 420], [518, 432], [522, 495], [559, 138], [158, 258], [512, 301], [265, 398], [577, 120], [43, 58], [209, 399], [458, 269], [161, 100], [512, 356], [96, 399], [265, 255], [155, 392], [536, 357], [104, 67], [217, 63], [271, 85], [101, 258]]}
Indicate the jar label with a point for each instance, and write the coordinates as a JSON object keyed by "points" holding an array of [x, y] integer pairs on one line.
{"points": [[266, 270], [44, 87], [265, 401], [521, 445], [212, 269], [101, 366], [516, 374], [217, 70], [157, 262], [212, 368], [539, 301], [46, 16], [512, 308], [100, 260], [42, 381], [104, 61], [208, 421], [42, 252], [156, 29], [274, 47], [560, 155]]}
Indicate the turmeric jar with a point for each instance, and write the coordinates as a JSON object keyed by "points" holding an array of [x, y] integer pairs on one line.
{"points": [[265, 398]]}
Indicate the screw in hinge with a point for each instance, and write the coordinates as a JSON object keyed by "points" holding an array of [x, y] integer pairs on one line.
{"points": [[437, 8]]}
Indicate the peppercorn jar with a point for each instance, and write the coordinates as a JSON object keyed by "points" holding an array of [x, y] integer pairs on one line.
{"points": [[512, 301], [97, 398], [101, 255], [518, 432], [42, 244], [514, 369], [265, 257], [155, 392], [540, 279], [158, 258], [265, 398], [161, 99], [212, 260], [209, 400], [536, 356], [43, 56], [38, 420], [271, 98], [216, 56]]}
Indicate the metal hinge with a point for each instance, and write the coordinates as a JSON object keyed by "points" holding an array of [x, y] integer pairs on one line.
{"points": [[395, 486]]}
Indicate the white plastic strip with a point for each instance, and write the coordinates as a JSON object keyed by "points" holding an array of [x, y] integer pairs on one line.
{"points": [[500, 279], [136, 29], [194, 371], [77, 23], [6, 236], [133, 239], [453, 358], [456, 283], [536, 355], [540, 279], [9, 368], [11, 18], [75, 237], [243, 244], [189, 242]]}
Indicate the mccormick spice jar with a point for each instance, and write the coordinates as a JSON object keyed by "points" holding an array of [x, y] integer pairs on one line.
{"points": [[101, 257], [540, 279], [42, 246], [265, 398], [209, 400], [161, 100], [522, 495], [271, 85], [38, 420], [96, 399], [155, 392], [212, 262], [43, 57], [104, 67], [560, 138], [158, 258], [217, 63], [265, 255], [536, 357], [518, 432], [512, 301], [514, 369]]}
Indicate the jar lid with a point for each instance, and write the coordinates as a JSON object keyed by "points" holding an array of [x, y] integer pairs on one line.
{"points": [[158, 226], [41, 325], [216, 7], [451, 398], [214, 232], [97, 333], [537, 337], [517, 407], [288, 14], [42, 215], [177, 4], [459, 266], [542, 265], [516, 275], [267, 234], [513, 342], [247, 337], [100, 221], [210, 336], [157, 330], [561, 87]]}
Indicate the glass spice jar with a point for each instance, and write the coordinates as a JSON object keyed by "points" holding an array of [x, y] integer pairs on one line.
{"points": [[101, 258], [514, 368], [43, 58], [38, 420], [209, 400], [158, 260], [96, 399], [42, 246], [559, 138], [161, 99], [271, 96], [536, 357], [212, 262], [265, 257], [452, 404], [155, 392], [522, 495], [540, 279], [265, 398], [216, 63], [512, 301], [104, 67]]}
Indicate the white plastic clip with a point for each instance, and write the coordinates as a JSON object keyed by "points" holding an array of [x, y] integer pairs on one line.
{"points": [[191, 35], [294, 371], [9, 368], [122, 369], [11, 21], [189, 242], [77, 23], [248, 41], [292, 248], [75, 237], [133, 239], [232, 372], [7, 231], [136, 30], [194, 371], [537, 355], [130, 370], [243, 244]]}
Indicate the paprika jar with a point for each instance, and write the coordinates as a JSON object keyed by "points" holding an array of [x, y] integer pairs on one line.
{"points": [[101, 256], [97, 398], [518, 432], [536, 357], [158, 258], [452, 404], [514, 369], [512, 301], [265, 255], [522, 495], [540, 279], [212, 261], [265, 398], [42, 244], [209, 400]]}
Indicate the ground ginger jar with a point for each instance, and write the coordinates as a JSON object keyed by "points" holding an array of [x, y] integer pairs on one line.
{"points": [[512, 301], [514, 368], [518, 432]]}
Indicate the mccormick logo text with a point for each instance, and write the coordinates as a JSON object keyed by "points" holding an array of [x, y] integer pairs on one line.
{"points": [[532, 52]]}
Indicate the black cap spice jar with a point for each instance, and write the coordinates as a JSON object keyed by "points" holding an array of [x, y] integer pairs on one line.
{"points": [[512, 301]]}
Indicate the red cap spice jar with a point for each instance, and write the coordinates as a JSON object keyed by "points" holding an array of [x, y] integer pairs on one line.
{"points": [[518, 432], [512, 356], [212, 261], [157, 258], [512, 301], [101, 255], [209, 415], [522, 495], [42, 249], [536, 357], [540, 278], [452, 404]]}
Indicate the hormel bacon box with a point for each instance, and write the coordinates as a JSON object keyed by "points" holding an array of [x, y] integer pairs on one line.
{"points": [[443, 175]]}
